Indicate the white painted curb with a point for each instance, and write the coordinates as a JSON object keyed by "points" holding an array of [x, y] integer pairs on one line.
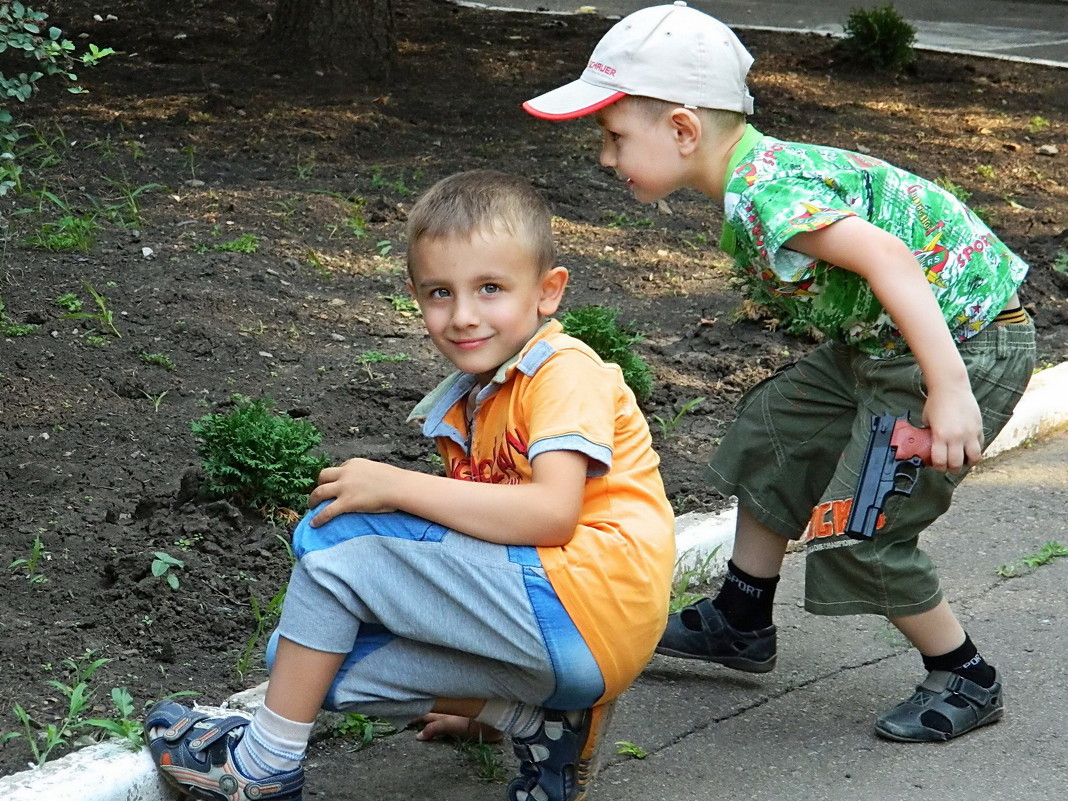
{"points": [[111, 772]]}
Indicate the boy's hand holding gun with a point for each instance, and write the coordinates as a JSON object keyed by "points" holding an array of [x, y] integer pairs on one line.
{"points": [[896, 451]]}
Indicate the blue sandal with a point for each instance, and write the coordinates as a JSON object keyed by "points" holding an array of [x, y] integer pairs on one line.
{"points": [[196, 755], [558, 761]]}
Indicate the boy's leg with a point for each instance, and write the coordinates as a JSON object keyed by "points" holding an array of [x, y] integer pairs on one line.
{"points": [[890, 575], [776, 458]]}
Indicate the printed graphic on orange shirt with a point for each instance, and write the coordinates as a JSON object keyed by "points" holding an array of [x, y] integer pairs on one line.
{"points": [[829, 520], [500, 469]]}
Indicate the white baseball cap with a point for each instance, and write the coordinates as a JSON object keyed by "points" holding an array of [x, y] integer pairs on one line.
{"points": [[671, 52]]}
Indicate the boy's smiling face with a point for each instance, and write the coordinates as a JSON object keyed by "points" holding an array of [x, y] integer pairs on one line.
{"points": [[641, 148], [482, 297]]}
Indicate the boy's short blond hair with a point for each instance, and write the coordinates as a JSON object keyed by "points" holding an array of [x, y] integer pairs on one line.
{"points": [[481, 202], [718, 121]]}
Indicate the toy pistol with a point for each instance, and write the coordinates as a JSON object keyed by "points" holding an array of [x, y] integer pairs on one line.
{"points": [[896, 451]]}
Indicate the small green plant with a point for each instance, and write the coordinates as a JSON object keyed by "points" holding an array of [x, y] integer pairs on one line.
{"points": [[157, 360], [43, 739], [71, 232], [377, 357], [700, 574], [260, 458], [362, 729], [986, 171], [668, 426], [485, 757], [629, 749], [127, 211], [165, 567], [265, 616], [958, 191], [32, 564], [598, 327], [1060, 264], [384, 247], [246, 243], [623, 221], [124, 724], [103, 315], [157, 400], [69, 302], [9, 328], [1050, 551], [1036, 124], [403, 305], [379, 181], [879, 38]]}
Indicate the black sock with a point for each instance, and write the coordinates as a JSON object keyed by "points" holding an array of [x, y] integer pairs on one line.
{"points": [[746, 600], [965, 661]]}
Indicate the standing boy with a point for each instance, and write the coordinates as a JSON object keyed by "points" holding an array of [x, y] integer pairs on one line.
{"points": [[551, 600], [917, 299]]}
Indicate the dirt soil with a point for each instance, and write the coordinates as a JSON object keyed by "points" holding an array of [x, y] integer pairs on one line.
{"points": [[196, 136]]}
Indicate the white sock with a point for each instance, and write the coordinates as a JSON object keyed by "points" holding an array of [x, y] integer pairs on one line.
{"points": [[511, 717], [271, 745]]}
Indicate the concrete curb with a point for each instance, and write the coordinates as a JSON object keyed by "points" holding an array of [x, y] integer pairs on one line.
{"points": [[111, 772]]}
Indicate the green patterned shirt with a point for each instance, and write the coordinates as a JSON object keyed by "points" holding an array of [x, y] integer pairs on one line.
{"points": [[776, 189]]}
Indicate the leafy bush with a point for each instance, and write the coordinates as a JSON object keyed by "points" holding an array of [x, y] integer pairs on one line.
{"points": [[879, 38], [24, 31], [597, 326], [258, 457]]}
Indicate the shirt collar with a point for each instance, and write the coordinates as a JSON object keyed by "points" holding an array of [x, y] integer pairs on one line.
{"points": [[741, 150], [433, 408]]}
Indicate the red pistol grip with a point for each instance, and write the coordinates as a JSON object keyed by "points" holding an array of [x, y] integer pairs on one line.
{"points": [[910, 441]]}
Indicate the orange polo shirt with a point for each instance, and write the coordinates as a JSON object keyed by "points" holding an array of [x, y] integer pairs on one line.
{"points": [[614, 576]]}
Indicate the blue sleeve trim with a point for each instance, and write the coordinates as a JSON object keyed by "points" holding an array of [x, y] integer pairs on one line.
{"points": [[600, 456]]}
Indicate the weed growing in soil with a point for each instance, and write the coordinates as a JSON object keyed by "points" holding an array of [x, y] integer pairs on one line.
{"points": [[266, 616], [1050, 551], [158, 360], [879, 38], [597, 326], [686, 581], [164, 566], [258, 457], [103, 315], [32, 563], [668, 426], [362, 729], [629, 749]]}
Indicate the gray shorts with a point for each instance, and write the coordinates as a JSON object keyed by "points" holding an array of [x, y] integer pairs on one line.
{"points": [[793, 456], [424, 612]]}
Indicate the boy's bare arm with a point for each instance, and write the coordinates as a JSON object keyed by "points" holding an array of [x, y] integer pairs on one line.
{"points": [[886, 263], [543, 512]]}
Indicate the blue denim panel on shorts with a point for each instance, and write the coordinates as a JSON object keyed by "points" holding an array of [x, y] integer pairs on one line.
{"points": [[793, 457], [424, 612]]}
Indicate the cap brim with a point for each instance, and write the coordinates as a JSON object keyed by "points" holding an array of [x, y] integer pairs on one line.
{"points": [[576, 99]]}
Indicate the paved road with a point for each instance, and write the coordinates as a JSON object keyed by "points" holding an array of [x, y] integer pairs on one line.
{"points": [[803, 732], [1036, 30]]}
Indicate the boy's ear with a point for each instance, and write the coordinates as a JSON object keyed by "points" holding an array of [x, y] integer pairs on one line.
{"points": [[553, 284], [687, 129]]}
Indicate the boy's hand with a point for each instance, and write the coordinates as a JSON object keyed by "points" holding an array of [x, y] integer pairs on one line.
{"points": [[358, 485], [956, 429]]}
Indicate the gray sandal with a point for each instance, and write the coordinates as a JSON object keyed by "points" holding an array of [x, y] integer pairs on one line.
{"points": [[944, 706]]}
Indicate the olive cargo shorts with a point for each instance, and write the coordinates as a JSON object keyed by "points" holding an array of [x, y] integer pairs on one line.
{"points": [[794, 454]]}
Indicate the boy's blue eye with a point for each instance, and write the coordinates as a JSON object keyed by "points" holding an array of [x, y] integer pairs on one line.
{"points": [[491, 289], [439, 293]]}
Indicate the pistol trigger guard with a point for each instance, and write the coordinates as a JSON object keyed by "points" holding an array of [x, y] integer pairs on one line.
{"points": [[908, 473]]}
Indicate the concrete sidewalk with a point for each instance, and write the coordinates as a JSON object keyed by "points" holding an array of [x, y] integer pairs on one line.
{"points": [[1026, 30]]}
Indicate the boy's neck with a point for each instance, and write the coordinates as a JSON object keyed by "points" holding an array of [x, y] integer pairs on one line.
{"points": [[721, 151]]}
